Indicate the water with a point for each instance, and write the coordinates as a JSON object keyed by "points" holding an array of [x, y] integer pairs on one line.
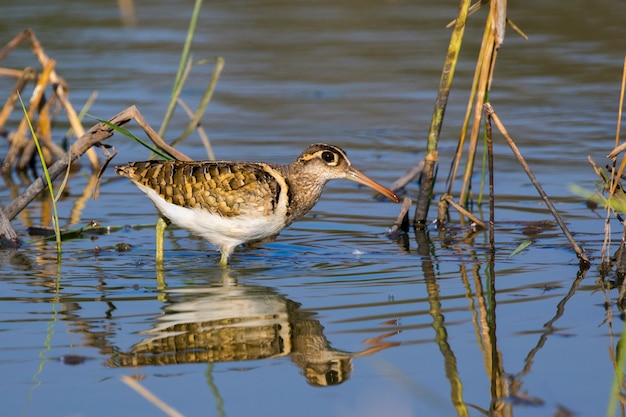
{"points": [[332, 318]]}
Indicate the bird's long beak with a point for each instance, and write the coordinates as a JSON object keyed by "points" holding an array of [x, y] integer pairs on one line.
{"points": [[356, 175]]}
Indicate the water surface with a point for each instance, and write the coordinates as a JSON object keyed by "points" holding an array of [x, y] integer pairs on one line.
{"points": [[333, 318]]}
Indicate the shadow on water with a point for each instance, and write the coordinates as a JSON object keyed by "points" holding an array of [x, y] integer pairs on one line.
{"points": [[506, 388], [231, 322]]}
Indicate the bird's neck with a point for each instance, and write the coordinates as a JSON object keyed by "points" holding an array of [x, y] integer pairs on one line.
{"points": [[304, 191]]}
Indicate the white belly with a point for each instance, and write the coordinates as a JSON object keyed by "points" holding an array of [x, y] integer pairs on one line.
{"points": [[224, 232]]}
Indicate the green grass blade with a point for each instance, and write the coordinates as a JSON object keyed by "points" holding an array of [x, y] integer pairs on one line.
{"points": [[133, 137], [521, 247], [184, 60], [204, 102], [617, 204], [618, 376], [55, 219]]}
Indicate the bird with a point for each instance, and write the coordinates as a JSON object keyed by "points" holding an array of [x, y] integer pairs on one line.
{"points": [[230, 203]]}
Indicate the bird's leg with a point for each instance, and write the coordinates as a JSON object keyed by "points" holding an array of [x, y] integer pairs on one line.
{"points": [[224, 260], [161, 225]]}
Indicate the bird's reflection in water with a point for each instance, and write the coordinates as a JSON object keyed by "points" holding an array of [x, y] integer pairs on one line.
{"points": [[236, 322]]}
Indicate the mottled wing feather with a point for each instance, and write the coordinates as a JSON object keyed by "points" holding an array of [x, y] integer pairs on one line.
{"points": [[224, 188]]}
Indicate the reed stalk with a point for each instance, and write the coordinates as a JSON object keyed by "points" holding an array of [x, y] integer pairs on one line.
{"points": [[445, 84], [493, 117]]}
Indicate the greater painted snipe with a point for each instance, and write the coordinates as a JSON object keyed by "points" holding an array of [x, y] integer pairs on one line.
{"points": [[229, 203]]}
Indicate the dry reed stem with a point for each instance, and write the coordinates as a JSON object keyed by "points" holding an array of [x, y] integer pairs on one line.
{"points": [[615, 176], [620, 260], [618, 149], [493, 37], [498, 12], [77, 126], [154, 136], [201, 132], [492, 116], [487, 64], [448, 198], [8, 236], [477, 72], [402, 219], [407, 177], [25, 76], [94, 136], [481, 84], [401, 223], [492, 197], [19, 140], [59, 88], [508, 21]]}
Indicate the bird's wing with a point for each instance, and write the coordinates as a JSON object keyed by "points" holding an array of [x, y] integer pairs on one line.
{"points": [[221, 187]]}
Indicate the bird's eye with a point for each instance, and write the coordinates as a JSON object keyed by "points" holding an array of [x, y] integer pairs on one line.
{"points": [[328, 157], [333, 378]]}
